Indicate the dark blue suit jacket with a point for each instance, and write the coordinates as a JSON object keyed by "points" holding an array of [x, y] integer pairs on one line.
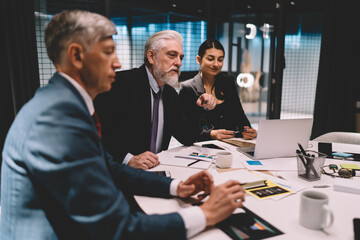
{"points": [[58, 183]]}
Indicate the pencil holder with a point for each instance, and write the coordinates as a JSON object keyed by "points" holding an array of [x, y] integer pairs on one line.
{"points": [[310, 164]]}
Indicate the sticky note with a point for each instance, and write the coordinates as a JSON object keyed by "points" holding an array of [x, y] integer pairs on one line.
{"points": [[342, 154], [350, 166], [254, 162]]}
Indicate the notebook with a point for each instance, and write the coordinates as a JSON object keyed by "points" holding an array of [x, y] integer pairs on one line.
{"points": [[277, 138]]}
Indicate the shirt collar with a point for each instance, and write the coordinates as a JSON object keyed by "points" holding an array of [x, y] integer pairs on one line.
{"points": [[153, 84], [88, 101]]}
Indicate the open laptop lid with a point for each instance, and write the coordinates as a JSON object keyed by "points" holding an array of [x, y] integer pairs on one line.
{"points": [[278, 138]]}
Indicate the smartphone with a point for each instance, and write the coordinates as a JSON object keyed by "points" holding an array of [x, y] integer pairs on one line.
{"points": [[162, 173], [356, 222], [210, 145]]}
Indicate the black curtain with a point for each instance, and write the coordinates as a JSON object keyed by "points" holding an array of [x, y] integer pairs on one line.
{"points": [[338, 86], [19, 68]]}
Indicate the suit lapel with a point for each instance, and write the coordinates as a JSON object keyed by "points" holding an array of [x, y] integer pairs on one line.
{"points": [[167, 110], [58, 79], [199, 86], [142, 91]]}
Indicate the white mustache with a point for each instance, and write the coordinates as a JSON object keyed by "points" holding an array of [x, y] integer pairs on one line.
{"points": [[174, 68]]}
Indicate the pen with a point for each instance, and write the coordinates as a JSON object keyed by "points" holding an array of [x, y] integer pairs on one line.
{"points": [[193, 163], [302, 149], [301, 158], [239, 131], [204, 195], [189, 158], [309, 162]]}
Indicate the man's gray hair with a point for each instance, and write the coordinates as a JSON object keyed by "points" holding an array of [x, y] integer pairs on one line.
{"points": [[75, 26], [158, 40]]}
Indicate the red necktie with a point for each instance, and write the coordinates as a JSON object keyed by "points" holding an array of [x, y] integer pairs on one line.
{"points": [[97, 123]]}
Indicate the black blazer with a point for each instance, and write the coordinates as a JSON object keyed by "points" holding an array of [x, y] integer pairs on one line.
{"points": [[125, 115], [228, 115]]}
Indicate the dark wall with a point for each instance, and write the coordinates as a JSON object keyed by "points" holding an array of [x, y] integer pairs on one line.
{"points": [[19, 68], [338, 86]]}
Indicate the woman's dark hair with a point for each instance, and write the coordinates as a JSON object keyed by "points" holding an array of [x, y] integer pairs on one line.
{"points": [[208, 44], [221, 90]]}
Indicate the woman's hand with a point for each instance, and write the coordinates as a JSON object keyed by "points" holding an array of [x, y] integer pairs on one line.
{"points": [[206, 101], [221, 134], [249, 133]]}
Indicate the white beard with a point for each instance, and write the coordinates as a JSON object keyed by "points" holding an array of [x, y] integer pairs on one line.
{"points": [[171, 80]]}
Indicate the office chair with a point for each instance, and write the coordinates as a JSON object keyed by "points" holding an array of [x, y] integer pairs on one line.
{"points": [[339, 137]]}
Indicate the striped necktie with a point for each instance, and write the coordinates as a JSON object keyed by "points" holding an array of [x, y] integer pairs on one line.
{"points": [[155, 121]]}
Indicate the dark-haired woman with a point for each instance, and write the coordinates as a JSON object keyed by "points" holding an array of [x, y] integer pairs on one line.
{"points": [[227, 119]]}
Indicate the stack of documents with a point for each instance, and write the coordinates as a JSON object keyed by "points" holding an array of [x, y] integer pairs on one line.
{"points": [[193, 157]]}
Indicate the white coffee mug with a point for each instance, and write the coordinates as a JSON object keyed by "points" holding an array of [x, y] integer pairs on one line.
{"points": [[314, 210], [223, 159]]}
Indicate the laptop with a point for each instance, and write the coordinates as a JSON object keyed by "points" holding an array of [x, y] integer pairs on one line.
{"points": [[278, 138]]}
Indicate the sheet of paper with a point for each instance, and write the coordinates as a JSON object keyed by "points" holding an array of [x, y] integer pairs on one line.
{"points": [[229, 148], [168, 158], [292, 186], [241, 175], [196, 152], [271, 191], [283, 164]]}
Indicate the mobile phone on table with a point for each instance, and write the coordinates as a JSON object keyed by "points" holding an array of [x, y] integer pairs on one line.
{"points": [[163, 173], [210, 145]]}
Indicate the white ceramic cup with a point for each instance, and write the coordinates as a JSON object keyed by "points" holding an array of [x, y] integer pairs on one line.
{"points": [[314, 210], [223, 159]]}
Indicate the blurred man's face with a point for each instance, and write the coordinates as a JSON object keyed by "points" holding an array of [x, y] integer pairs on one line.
{"points": [[99, 64], [167, 63]]}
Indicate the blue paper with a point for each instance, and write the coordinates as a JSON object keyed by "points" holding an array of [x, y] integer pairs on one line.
{"points": [[254, 162]]}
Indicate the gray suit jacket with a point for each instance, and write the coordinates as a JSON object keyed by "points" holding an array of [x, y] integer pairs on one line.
{"points": [[58, 183]]}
